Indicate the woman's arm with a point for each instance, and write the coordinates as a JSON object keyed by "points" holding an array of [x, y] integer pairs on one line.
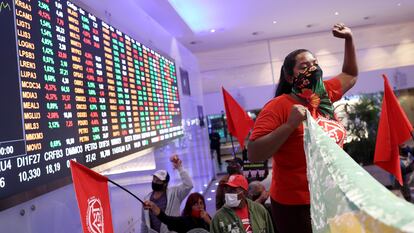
{"points": [[173, 223], [264, 147], [349, 74]]}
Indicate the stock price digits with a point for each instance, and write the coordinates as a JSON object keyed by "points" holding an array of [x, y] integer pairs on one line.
{"points": [[88, 93]]}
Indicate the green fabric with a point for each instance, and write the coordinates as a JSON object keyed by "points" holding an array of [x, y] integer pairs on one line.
{"points": [[311, 80], [345, 197], [226, 220]]}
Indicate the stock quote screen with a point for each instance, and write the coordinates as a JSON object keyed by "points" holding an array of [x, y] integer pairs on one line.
{"points": [[75, 88]]}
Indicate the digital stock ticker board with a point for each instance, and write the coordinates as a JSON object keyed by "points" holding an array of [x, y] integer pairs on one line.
{"points": [[75, 88]]}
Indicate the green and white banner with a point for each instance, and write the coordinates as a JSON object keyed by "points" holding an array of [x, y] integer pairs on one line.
{"points": [[344, 197]]}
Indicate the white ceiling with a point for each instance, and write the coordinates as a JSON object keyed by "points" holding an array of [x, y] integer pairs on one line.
{"points": [[235, 21]]}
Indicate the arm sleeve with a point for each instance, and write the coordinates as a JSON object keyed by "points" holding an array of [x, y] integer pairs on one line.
{"points": [[173, 223], [144, 228], [334, 89], [265, 124], [185, 187]]}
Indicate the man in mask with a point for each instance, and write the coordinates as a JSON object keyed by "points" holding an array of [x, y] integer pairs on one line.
{"points": [[240, 214], [167, 198]]}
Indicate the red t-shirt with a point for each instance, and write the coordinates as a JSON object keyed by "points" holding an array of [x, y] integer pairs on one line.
{"points": [[289, 182], [243, 214]]}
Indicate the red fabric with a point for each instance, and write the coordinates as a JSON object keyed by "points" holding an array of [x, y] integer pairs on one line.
{"points": [[238, 181], [289, 182], [394, 128], [93, 199], [243, 214], [238, 122]]}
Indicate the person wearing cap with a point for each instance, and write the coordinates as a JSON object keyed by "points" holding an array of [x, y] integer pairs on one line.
{"points": [[167, 198], [234, 166], [239, 214]]}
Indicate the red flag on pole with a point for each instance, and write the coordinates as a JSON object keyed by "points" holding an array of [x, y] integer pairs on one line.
{"points": [[93, 199], [238, 122], [394, 128]]}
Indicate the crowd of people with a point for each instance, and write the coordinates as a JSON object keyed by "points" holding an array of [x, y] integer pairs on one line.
{"points": [[240, 206]]}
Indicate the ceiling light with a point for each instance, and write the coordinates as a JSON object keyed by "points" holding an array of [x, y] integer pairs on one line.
{"points": [[336, 13], [399, 4], [212, 30], [274, 22]]}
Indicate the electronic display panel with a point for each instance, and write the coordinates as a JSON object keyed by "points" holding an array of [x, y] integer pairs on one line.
{"points": [[75, 88]]}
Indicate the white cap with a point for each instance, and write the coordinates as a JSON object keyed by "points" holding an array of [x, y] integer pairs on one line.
{"points": [[161, 174]]}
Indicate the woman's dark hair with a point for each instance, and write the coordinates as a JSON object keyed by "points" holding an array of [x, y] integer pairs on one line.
{"points": [[284, 87], [191, 200]]}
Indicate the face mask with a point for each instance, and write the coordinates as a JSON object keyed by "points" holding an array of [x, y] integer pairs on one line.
{"points": [[310, 87], [195, 213], [157, 187], [308, 79], [231, 200]]}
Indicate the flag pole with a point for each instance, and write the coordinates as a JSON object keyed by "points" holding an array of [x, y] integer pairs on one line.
{"points": [[126, 190], [232, 146]]}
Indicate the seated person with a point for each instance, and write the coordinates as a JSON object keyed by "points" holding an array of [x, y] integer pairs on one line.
{"points": [[257, 193], [240, 214], [194, 215]]}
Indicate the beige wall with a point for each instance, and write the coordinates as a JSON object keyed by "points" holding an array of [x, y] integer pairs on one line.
{"points": [[378, 47]]}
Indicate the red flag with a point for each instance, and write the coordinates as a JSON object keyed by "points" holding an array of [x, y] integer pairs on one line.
{"points": [[93, 199], [394, 128], [238, 122]]}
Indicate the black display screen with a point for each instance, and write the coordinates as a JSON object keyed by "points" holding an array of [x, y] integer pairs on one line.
{"points": [[75, 88]]}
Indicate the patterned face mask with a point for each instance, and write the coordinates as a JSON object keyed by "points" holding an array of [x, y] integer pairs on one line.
{"points": [[309, 87]]}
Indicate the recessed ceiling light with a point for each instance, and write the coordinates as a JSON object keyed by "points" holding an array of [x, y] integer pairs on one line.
{"points": [[274, 22], [212, 30], [336, 13], [399, 4]]}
